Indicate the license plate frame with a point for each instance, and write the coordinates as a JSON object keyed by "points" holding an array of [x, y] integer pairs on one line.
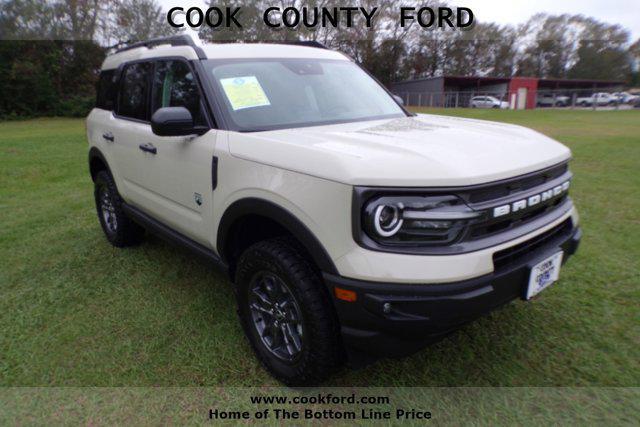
{"points": [[544, 274]]}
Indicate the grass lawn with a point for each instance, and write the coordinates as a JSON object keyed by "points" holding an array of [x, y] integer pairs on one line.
{"points": [[76, 312]]}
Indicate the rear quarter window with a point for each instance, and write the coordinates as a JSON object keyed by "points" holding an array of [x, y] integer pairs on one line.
{"points": [[106, 90]]}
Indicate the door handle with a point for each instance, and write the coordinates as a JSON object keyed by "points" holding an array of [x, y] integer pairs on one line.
{"points": [[148, 147], [108, 136]]}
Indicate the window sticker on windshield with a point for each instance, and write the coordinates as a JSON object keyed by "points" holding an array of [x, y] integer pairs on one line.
{"points": [[244, 92]]}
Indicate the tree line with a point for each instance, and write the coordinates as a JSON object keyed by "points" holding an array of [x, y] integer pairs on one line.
{"points": [[51, 50]]}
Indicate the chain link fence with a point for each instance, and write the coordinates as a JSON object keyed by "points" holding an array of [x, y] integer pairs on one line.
{"points": [[573, 98]]}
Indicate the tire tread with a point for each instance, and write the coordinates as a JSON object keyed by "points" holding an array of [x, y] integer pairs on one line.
{"points": [[320, 319]]}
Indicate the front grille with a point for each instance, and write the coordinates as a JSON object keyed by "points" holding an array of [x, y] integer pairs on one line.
{"points": [[513, 254], [486, 197], [519, 184], [487, 229]]}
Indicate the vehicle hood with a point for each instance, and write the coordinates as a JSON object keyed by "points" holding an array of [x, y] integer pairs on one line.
{"points": [[425, 150]]}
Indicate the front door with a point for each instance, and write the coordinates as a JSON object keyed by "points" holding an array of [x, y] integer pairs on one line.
{"points": [[179, 187]]}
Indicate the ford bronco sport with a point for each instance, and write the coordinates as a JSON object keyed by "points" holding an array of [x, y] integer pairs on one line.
{"points": [[350, 227]]}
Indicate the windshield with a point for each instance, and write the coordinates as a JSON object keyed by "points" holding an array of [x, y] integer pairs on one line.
{"points": [[265, 94]]}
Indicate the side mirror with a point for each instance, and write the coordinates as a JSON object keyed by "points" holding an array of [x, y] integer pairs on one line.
{"points": [[398, 99], [174, 121]]}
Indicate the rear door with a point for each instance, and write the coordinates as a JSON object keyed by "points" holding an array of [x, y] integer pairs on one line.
{"points": [[129, 125]]}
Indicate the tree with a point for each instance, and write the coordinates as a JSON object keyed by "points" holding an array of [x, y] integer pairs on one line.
{"points": [[26, 19], [136, 20], [572, 46], [52, 50], [549, 45], [503, 50], [634, 53], [602, 52]]}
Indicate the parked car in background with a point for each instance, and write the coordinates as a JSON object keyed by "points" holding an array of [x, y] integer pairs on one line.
{"points": [[552, 100], [625, 98], [599, 99], [488, 102]]}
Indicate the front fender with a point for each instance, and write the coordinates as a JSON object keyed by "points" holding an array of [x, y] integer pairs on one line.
{"points": [[280, 215]]}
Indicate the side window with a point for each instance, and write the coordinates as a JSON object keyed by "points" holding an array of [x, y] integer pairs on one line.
{"points": [[106, 93], [134, 91], [174, 85]]}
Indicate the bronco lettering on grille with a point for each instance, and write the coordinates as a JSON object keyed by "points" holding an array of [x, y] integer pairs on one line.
{"points": [[531, 201]]}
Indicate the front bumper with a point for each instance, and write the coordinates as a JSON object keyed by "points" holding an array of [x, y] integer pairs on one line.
{"points": [[419, 314]]}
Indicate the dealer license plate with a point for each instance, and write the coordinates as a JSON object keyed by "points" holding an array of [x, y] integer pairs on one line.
{"points": [[544, 274]]}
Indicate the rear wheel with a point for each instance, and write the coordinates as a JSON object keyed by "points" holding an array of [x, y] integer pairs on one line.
{"points": [[286, 314], [117, 227]]}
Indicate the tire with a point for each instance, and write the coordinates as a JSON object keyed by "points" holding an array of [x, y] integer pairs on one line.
{"points": [[299, 344], [117, 227]]}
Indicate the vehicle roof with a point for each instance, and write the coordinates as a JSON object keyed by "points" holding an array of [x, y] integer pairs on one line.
{"points": [[222, 51]]}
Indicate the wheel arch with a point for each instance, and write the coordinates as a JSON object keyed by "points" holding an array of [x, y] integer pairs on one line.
{"points": [[97, 162], [270, 215]]}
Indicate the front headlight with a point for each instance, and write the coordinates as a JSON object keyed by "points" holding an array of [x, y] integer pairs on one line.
{"points": [[416, 220]]}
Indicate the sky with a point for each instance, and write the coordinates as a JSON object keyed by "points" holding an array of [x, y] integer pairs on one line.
{"points": [[623, 12]]}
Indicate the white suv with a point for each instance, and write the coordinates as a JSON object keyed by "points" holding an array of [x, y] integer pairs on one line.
{"points": [[351, 228], [488, 102]]}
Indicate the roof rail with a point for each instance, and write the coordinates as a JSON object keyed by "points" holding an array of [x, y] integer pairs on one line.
{"points": [[179, 40]]}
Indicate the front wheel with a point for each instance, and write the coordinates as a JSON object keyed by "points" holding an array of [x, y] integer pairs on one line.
{"points": [[286, 314]]}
